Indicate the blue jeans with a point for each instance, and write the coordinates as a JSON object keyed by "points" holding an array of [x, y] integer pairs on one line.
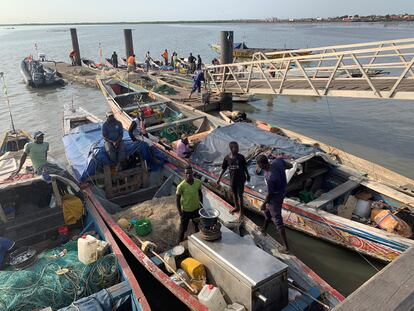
{"points": [[274, 212]]}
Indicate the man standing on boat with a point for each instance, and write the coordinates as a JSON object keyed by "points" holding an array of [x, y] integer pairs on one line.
{"points": [[131, 63], [236, 163], [147, 61], [113, 133], [114, 59], [37, 152], [275, 178], [165, 56], [199, 62], [192, 63], [137, 127], [189, 198]]}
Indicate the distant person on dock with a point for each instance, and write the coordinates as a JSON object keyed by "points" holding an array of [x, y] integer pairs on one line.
{"points": [[276, 191], [174, 60], [198, 78], [131, 63], [165, 56], [192, 63], [72, 56], [37, 152], [137, 127], [113, 133], [189, 197], [114, 59], [237, 165], [183, 148], [147, 61], [199, 62]]}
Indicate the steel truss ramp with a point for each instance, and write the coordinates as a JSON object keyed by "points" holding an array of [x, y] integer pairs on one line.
{"points": [[381, 69]]}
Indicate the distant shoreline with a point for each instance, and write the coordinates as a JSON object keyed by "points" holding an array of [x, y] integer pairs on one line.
{"points": [[208, 22]]}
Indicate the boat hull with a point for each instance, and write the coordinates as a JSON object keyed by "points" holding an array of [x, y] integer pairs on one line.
{"points": [[320, 224]]}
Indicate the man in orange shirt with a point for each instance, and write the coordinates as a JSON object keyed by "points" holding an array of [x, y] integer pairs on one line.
{"points": [[165, 56], [131, 63]]}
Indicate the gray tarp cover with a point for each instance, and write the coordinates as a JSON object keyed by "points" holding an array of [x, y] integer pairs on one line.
{"points": [[210, 153]]}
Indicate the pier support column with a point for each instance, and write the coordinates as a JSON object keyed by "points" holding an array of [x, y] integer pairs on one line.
{"points": [[75, 45], [226, 57], [129, 44]]}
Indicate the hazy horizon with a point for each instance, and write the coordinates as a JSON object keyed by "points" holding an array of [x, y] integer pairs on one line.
{"points": [[105, 11]]}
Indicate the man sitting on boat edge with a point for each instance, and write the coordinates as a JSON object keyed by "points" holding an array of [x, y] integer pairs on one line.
{"points": [[37, 151]]}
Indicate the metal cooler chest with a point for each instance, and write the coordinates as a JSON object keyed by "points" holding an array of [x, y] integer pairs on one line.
{"points": [[245, 273]]}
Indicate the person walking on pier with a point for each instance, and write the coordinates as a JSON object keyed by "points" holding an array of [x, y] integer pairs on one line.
{"points": [[237, 165], [131, 63], [113, 133], [199, 62], [275, 178], [198, 78], [165, 56], [114, 59], [188, 200]]}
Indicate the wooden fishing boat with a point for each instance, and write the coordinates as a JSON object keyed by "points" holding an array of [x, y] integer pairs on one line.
{"points": [[241, 51], [36, 75], [311, 217], [14, 141], [165, 120], [37, 226], [161, 184], [330, 216]]}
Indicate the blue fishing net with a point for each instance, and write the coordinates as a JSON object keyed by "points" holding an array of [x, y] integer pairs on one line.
{"points": [[56, 281]]}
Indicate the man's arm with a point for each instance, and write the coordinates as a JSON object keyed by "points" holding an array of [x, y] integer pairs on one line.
{"points": [[223, 169], [200, 195], [131, 130], [22, 160], [178, 203]]}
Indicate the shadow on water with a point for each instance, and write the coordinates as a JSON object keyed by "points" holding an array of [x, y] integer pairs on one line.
{"points": [[341, 268]]}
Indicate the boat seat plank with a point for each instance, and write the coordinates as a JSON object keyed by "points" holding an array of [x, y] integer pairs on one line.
{"points": [[120, 290], [130, 93], [334, 193], [390, 192], [178, 122], [135, 107]]}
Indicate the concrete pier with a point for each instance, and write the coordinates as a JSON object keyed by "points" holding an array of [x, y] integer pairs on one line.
{"points": [[75, 45], [77, 74], [390, 289], [226, 57]]}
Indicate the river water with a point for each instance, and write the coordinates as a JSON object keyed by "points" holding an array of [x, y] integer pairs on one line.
{"points": [[377, 130]]}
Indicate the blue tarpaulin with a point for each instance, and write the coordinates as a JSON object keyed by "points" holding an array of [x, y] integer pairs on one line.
{"points": [[84, 147]]}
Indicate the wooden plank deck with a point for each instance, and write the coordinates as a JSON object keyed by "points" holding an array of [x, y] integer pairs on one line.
{"points": [[390, 289]]}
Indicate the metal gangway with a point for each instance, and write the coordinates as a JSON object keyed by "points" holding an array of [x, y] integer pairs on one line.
{"points": [[382, 69]]}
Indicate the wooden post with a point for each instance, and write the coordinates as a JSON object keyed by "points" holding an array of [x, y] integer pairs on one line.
{"points": [[75, 45], [226, 57], [129, 44]]}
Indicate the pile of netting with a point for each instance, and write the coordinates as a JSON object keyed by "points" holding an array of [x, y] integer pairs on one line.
{"points": [[165, 89], [56, 280]]}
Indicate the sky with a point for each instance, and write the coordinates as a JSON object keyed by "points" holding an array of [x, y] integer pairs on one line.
{"points": [[67, 11]]}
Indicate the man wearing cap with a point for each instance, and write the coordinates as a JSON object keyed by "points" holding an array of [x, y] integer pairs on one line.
{"points": [[183, 149], [113, 133], [37, 151]]}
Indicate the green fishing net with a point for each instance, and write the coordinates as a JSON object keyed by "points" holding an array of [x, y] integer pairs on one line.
{"points": [[56, 281], [164, 89]]}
